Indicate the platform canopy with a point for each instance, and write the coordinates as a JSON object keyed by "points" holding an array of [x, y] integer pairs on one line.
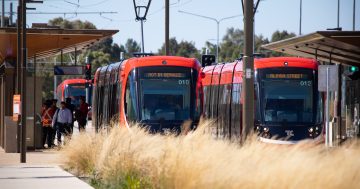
{"points": [[341, 47], [47, 42]]}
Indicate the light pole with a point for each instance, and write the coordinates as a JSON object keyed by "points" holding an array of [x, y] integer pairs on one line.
{"points": [[141, 9], [300, 23], [218, 21]]}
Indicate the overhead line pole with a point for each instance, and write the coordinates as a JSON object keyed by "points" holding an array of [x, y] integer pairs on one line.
{"points": [[18, 60], [167, 10], [18, 68], [23, 147], [23, 84], [248, 70]]}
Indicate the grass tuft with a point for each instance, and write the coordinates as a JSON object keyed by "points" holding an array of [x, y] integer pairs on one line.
{"points": [[132, 158]]}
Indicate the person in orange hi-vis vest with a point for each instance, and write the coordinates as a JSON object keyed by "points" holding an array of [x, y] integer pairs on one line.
{"points": [[47, 116]]}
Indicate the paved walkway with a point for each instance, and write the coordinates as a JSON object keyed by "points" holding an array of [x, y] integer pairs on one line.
{"points": [[41, 170], [38, 177]]}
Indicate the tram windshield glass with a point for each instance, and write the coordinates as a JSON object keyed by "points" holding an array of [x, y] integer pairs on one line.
{"points": [[288, 97], [75, 91], [165, 93]]}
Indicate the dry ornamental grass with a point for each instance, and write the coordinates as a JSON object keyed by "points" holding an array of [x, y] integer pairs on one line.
{"points": [[132, 158]]}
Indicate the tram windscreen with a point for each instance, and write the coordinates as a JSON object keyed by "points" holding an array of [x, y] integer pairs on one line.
{"points": [[75, 91], [288, 98], [165, 96]]}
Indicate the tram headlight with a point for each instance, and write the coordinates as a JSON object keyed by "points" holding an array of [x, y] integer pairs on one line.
{"points": [[316, 128], [266, 129], [311, 130]]}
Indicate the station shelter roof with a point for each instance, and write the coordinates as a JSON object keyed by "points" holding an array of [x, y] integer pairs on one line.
{"points": [[341, 47], [47, 42]]}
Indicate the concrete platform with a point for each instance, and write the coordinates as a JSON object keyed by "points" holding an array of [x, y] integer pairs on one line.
{"points": [[39, 177], [41, 170]]}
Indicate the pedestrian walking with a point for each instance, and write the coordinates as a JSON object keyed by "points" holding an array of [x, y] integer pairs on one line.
{"points": [[81, 114], [62, 120]]}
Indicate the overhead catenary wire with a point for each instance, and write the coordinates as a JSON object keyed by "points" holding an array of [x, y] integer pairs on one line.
{"points": [[72, 12]]}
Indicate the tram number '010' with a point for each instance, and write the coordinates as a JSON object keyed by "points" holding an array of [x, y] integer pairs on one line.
{"points": [[306, 83], [184, 82]]}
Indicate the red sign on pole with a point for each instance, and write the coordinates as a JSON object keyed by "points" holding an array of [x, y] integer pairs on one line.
{"points": [[16, 107]]}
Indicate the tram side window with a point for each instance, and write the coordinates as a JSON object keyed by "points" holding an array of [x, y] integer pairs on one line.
{"points": [[221, 111], [109, 100], [118, 97], [106, 103], [207, 101], [236, 111], [130, 102], [226, 110], [214, 101], [100, 105], [113, 101]]}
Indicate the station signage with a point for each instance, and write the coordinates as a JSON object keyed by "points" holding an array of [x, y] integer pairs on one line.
{"points": [[68, 70], [16, 107]]}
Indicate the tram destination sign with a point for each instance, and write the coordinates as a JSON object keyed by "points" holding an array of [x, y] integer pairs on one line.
{"points": [[68, 70], [328, 78], [287, 76], [164, 75]]}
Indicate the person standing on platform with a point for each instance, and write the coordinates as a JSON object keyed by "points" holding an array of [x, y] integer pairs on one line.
{"points": [[62, 120], [81, 114], [46, 124]]}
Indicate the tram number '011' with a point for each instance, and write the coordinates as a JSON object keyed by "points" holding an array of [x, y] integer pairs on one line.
{"points": [[306, 83], [184, 82]]}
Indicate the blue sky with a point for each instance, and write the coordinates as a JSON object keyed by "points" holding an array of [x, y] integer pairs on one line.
{"points": [[272, 15]]}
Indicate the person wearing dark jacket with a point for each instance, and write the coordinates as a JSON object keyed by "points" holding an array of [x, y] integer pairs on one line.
{"points": [[81, 114], [71, 107]]}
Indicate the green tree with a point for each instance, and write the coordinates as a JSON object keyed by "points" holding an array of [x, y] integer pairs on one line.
{"points": [[184, 48], [66, 24], [278, 36], [131, 46], [173, 45], [281, 35], [232, 45], [259, 41]]}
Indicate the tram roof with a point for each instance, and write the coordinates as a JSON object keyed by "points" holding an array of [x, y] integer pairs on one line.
{"points": [[341, 47], [47, 42]]}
